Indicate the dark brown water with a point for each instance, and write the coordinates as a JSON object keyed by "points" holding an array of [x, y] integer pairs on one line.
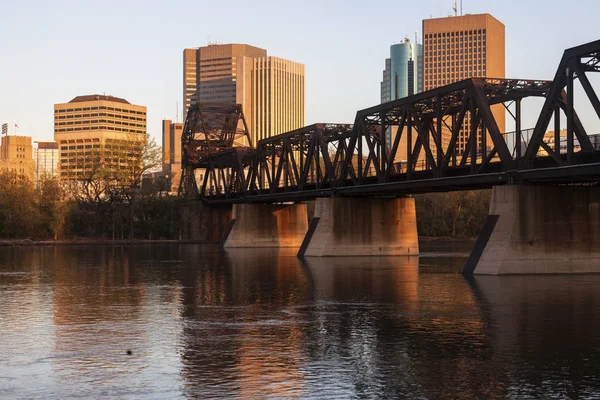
{"points": [[200, 323]]}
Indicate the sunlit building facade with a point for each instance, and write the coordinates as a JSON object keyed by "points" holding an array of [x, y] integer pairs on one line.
{"points": [[97, 132], [46, 158], [16, 155], [461, 47]]}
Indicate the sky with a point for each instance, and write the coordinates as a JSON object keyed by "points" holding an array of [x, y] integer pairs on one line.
{"points": [[52, 51]]}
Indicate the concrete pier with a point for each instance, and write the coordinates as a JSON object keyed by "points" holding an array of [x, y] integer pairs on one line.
{"points": [[362, 227], [540, 230], [267, 225]]}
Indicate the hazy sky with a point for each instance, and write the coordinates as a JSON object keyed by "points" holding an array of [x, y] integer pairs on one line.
{"points": [[52, 51]]}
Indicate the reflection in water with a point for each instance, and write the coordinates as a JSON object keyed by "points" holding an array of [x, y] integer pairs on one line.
{"points": [[201, 323]]}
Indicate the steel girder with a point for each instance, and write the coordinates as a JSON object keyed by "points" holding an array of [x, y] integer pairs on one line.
{"points": [[209, 128], [322, 157], [575, 64], [448, 136]]}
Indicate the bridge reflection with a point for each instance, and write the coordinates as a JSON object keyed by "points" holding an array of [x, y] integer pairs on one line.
{"points": [[262, 323]]}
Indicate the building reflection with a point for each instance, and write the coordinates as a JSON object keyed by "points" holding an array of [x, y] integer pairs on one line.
{"points": [[97, 301], [234, 324], [256, 323]]}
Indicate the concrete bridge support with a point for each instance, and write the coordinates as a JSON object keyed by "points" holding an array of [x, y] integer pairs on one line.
{"points": [[267, 225], [539, 230], [362, 227]]}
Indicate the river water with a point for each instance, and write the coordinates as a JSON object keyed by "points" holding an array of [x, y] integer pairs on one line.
{"points": [[202, 323]]}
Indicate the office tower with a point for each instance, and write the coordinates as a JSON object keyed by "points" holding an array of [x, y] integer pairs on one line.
{"points": [[461, 47], [171, 144], [386, 82], [45, 156], [16, 155], [97, 133], [402, 77], [209, 72], [270, 89]]}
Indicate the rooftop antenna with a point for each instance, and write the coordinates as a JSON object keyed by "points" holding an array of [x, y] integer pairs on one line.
{"points": [[455, 9], [461, 13], [416, 38]]}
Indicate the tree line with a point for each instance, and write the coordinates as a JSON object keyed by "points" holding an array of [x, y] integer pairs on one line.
{"points": [[51, 212]]}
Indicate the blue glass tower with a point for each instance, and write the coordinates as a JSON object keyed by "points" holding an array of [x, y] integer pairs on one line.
{"points": [[406, 69], [403, 75]]}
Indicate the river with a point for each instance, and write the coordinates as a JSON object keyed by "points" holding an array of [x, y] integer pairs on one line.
{"points": [[192, 321]]}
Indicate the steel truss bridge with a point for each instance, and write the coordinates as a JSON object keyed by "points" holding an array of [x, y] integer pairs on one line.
{"points": [[441, 140]]}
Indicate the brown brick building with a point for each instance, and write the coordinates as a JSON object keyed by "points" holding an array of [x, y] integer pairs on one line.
{"points": [[461, 47], [16, 155]]}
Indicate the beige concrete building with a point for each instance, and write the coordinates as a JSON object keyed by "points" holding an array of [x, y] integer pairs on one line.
{"points": [[171, 147], [97, 132], [270, 89], [46, 158], [16, 155], [461, 47]]}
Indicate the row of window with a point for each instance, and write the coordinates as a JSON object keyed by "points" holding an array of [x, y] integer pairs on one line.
{"points": [[129, 158], [465, 48], [98, 115], [463, 41], [452, 34], [100, 121], [93, 128], [66, 149], [100, 108]]}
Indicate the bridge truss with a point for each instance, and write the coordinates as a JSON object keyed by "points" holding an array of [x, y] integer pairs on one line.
{"points": [[443, 139], [209, 128]]}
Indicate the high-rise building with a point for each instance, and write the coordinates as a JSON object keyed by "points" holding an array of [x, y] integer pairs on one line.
{"points": [[171, 145], [16, 155], [402, 77], [45, 156], [270, 89], [386, 82], [461, 47], [97, 132], [209, 72]]}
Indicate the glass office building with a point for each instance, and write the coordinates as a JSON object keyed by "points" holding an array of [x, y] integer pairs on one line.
{"points": [[403, 74]]}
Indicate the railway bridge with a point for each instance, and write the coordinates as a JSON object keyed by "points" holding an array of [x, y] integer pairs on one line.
{"points": [[545, 210]]}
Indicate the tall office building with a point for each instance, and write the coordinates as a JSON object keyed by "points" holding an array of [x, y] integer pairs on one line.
{"points": [[402, 77], [98, 132], [386, 82], [16, 155], [270, 89], [45, 156], [171, 145], [210, 72], [404, 71], [461, 47]]}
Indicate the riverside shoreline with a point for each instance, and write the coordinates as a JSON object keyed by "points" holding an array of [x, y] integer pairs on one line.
{"points": [[87, 242], [119, 242]]}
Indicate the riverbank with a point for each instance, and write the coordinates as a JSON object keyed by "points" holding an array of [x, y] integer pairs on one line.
{"points": [[87, 242], [107, 242]]}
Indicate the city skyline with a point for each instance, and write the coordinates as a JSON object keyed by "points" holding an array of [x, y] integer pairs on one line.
{"points": [[74, 65]]}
